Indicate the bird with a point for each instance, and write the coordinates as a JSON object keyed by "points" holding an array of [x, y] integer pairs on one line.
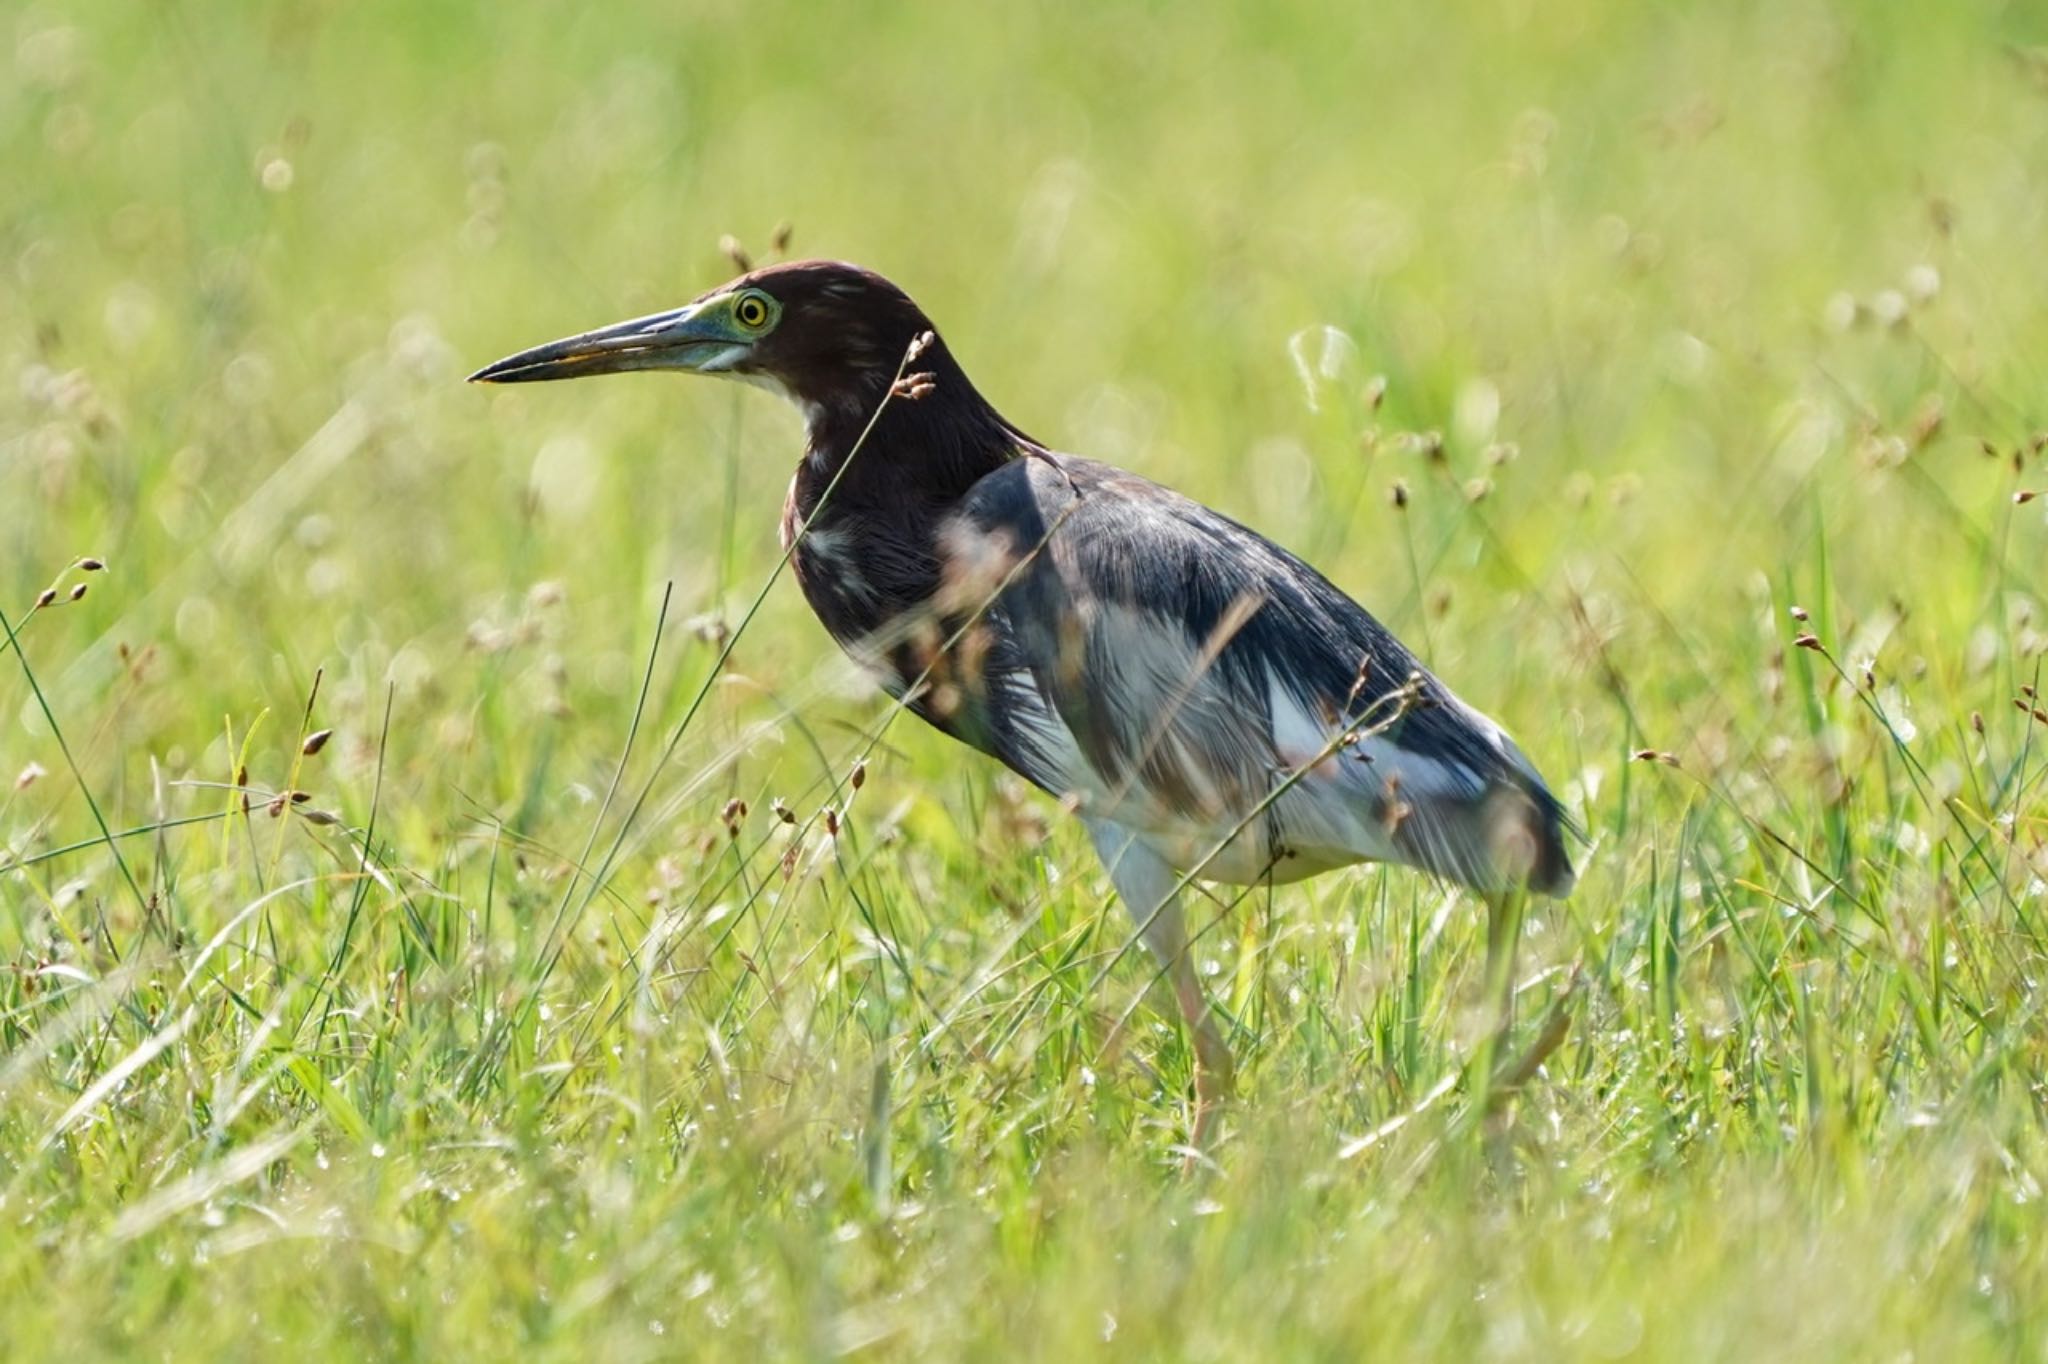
{"points": [[1210, 706]]}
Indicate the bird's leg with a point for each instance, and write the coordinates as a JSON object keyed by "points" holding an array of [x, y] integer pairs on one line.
{"points": [[1215, 1070], [1146, 884], [1502, 1073], [1503, 944], [1503, 941]]}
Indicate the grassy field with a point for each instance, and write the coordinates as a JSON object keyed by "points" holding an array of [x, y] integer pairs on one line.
{"points": [[1707, 343]]}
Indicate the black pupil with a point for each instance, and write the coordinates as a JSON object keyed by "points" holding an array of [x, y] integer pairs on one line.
{"points": [[750, 311]]}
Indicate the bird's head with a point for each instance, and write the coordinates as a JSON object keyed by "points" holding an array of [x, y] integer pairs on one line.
{"points": [[829, 336]]}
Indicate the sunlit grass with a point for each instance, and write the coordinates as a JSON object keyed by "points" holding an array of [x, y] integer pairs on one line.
{"points": [[1703, 346]]}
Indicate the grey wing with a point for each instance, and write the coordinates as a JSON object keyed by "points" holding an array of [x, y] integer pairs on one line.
{"points": [[1185, 677]]}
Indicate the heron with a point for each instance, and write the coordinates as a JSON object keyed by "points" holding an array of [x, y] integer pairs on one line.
{"points": [[1210, 706]]}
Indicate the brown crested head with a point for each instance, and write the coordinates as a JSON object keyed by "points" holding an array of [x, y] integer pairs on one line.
{"points": [[828, 335], [840, 333]]}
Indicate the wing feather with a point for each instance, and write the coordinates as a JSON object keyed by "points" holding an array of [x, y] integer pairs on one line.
{"points": [[1174, 669]]}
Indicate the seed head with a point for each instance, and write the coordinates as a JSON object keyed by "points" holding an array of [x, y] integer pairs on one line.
{"points": [[1398, 495], [919, 344], [2024, 496], [45, 597], [91, 565], [711, 629], [782, 812], [860, 774], [735, 253], [1798, 613], [315, 741], [77, 591], [1807, 640], [779, 239], [915, 387]]}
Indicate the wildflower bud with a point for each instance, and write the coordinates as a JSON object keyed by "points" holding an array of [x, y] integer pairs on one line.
{"points": [[315, 741]]}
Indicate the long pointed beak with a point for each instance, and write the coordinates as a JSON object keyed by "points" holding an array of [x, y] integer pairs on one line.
{"points": [[693, 338]]}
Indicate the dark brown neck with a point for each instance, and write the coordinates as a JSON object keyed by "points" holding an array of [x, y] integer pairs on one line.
{"points": [[875, 497], [878, 453]]}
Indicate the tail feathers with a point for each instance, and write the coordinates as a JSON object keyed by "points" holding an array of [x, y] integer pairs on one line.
{"points": [[1551, 874], [1511, 836]]}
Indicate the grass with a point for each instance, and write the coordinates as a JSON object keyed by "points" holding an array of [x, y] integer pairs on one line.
{"points": [[1703, 343]]}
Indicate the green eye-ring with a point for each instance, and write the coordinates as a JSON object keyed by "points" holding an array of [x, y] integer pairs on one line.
{"points": [[750, 311]]}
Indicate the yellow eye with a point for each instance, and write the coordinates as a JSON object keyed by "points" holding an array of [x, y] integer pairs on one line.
{"points": [[750, 311]]}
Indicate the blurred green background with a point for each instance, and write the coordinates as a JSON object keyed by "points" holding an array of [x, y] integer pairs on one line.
{"points": [[1666, 318]]}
